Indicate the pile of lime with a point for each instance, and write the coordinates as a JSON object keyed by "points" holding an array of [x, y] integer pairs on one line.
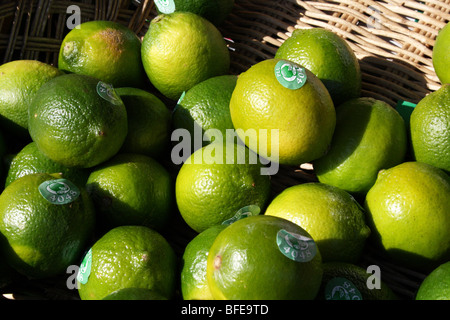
{"points": [[146, 166]]}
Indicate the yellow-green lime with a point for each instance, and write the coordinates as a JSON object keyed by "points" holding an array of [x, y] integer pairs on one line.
{"points": [[430, 129], [436, 285], [149, 123], [194, 285], [131, 189], [216, 11], [329, 57], [31, 160], [347, 281], [205, 110], [77, 120], [264, 258], [19, 82], [128, 257], [283, 112], [218, 180], [370, 135], [408, 212], [181, 49], [330, 215], [45, 222], [134, 294], [106, 50], [441, 59]]}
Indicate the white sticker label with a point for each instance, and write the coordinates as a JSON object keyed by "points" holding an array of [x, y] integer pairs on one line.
{"points": [[165, 6]]}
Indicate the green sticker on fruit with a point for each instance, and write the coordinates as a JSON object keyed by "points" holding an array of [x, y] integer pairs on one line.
{"points": [[296, 246], [59, 191], [339, 288], [85, 268], [107, 92], [247, 211], [165, 6], [290, 74]]}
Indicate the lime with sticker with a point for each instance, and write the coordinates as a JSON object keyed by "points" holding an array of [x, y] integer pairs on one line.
{"points": [[290, 75]]}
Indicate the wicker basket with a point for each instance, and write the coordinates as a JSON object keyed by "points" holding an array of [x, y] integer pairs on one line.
{"points": [[393, 40]]}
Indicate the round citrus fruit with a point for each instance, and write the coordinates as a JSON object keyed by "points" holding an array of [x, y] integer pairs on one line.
{"points": [[214, 10], [408, 211], [436, 285], [218, 180], [283, 112], [441, 59], [45, 222], [149, 123], [194, 285], [134, 294], [131, 189], [182, 49], [31, 160], [370, 135], [329, 57], [128, 257], [330, 215], [430, 129], [264, 257], [346, 281], [19, 82], [204, 109], [105, 50], [77, 120]]}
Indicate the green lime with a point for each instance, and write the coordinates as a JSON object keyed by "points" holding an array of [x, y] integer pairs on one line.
{"points": [[134, 294], [214, 10], [128, 257], [264, 258], [149, 123], [430, 129], [408, 211], [330, 215], [45, 222], [370, 135], [218, 180], [131, 189], [77, 120], [286, 125], [436, 285], [194, 285], [440, 57], [206, 108], [31, 160], [19, 82], [182, 49], [329, 57], [105, 50], [346, 281]]}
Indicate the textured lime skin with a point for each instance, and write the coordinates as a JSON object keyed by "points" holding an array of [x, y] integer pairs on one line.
{"points": [[130, 256], [330, 215], [245, 263], [430, 129], [131, 189], [441, 58], [30, 160], [305, 118], [105, 50], [41, 239], [209, 192], [73, 125], [370, 135], [182, 49], [194, 285], [408, 211], [436, 286], [19, 82]]}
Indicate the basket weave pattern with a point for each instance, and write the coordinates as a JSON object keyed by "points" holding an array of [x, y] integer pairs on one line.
{"points": [[393, 41]]}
